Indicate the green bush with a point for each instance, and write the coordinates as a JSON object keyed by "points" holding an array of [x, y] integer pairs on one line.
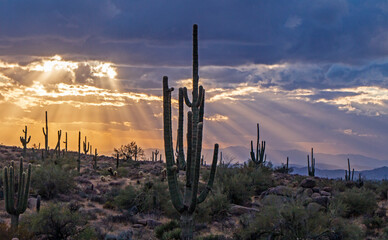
{"points": [[242, 183], [359, 201], [168, 230], [211, 237], [294, 221], [373, 222], [151, 196], [382, 190], [127, 198], [215, 207], [51, 180], [56, 222], [23, 232]]}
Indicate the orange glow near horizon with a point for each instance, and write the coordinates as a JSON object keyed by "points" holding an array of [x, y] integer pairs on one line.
{"points": [[86, 96]]}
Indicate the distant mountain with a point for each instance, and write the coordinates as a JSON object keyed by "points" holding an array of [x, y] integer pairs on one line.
{"points": [[374, 174], [298, 159], [239, 154]]}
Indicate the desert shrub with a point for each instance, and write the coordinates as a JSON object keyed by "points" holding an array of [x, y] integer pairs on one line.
{"points": [[215, 206], [127, 198], [168, 230], [23, 233], [294, 221], [283, 169], [372, 185], [337, 208], [373, 222], [211, 237], [151, 196], [51, 180], [58, 222], [382, 190], [122, 172], [344, 229], [242, 183], [359, 201]]}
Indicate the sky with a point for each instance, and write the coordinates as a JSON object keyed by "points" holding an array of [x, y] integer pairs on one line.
{"points": [[312, 73]]}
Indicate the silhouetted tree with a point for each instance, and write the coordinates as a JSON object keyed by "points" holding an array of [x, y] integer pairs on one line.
{"points": [[130, 151]]}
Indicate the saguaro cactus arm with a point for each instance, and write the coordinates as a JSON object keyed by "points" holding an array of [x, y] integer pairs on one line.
{"points": [[23, 191], [25, 140], [209, 186], [176, 195]]}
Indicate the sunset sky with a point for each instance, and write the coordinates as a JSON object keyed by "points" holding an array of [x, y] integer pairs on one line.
{"points": [[312, 73]]}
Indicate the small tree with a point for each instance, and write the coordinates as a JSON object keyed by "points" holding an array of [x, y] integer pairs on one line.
{"points": [[130, 151]]}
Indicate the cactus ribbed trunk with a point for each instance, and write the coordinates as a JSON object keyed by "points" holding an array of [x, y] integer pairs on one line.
{"points": [[187, 226], [65, 142], [259, 158], [25, 141], [185, 203], [15, 208], [45, 133], [14, 221], [79, 153]]}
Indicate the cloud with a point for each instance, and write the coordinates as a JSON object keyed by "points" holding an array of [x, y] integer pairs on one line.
{"points": [[249, 32]]}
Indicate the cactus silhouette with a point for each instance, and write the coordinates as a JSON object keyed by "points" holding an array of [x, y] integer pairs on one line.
{"points": [[347, 173], [65, 142], [86, 149], [25, 141], [38, 203], [95, 159], [117, 160], [19, 207], [79, 153], [311, 169], [186, 203], [58, 146], [45, 133], [258, 159]]}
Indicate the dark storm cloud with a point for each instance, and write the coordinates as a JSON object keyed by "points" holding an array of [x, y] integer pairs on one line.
{"points": [[231, 32]]}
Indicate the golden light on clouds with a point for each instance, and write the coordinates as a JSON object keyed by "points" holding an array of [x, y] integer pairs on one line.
{"points": [[217, 118], [54, 63]]}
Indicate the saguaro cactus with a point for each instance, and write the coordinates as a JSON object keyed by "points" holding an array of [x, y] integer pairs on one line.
{"points": [[79, 153], [311, 169], [58, 146], [117, 160], [12, 208], [86, 149], [95, 159], [65, 142], [45, 133], [38, 199], [186, 203], [25, 141], [258, 159], [347, 173]]}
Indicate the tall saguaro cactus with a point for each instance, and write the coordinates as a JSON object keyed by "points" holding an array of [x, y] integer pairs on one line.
{"points": [[58, 146], [347, 173], [79, 153], [65, 142], [19, 207], [95, 159], [185, 203], [86, 149], [311, 169], [258, 159], [45, 133], [25, 141]]}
